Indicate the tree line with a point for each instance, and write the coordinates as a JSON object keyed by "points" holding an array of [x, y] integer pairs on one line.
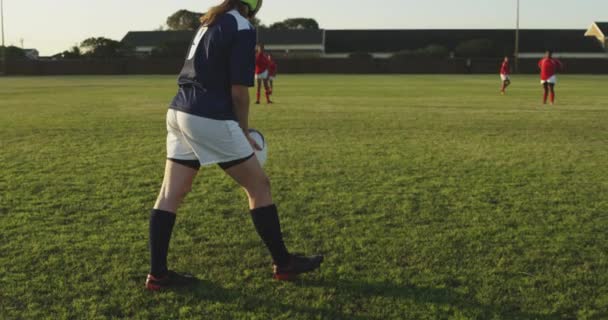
{"points": [[182, 20]]}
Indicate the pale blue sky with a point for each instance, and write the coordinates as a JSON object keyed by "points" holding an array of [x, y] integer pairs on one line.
{"points": [[54, 25]]}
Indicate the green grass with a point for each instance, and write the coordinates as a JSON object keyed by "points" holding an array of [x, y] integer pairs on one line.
{"points": [[432, 196]]}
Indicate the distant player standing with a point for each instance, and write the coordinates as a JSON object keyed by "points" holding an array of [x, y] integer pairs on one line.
{"points": [[548, 75], [261, 73], [272, 72], [505, 75]]}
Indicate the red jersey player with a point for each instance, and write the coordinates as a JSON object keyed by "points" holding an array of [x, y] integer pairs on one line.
{"points": [[505, 75], [261, 72], [272, 72], [548, 75]]}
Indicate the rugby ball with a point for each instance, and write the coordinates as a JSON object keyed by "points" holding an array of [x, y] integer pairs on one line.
{"points": [[262, 155]]}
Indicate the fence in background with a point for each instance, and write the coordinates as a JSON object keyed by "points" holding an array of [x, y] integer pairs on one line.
{"points": [[298, 66]]}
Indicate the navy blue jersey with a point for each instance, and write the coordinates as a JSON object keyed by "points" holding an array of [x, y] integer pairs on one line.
{"points": [[221, 55]]}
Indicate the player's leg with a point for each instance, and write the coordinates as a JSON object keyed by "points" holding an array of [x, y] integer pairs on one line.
{"points": [[254, 181], [259, 89], [176, 185], [177, 182], [267, 90], [503, 87], [271, 82], [552, 90], [546, 92], [264, 213]]}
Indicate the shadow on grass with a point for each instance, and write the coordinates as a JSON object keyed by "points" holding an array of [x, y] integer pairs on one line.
{"points": [[204, 290], [425, 295]]}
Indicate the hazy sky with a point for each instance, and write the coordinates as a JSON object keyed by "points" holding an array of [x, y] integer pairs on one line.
{"points": [[54, 25]]}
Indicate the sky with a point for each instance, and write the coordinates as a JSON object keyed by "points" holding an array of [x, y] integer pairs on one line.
{"points": [[52, 26]]}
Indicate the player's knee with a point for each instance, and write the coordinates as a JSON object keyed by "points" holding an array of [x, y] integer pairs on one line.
{"points": [[175, 196], [260, 189], [263, 184]]}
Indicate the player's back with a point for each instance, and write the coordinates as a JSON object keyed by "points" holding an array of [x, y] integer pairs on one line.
{"points": [[220, 55]]}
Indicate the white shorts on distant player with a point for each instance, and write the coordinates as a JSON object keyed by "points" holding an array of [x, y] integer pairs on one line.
{"points": [[552, 80], [262, 76], [209, 141], [505, 77]]}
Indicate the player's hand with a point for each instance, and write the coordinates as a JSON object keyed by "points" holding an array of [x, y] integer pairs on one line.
{"points": [[254, 144]]}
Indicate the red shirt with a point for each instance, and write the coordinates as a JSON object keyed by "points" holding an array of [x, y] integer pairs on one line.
{"points": [[261, 63], [272, 68], [505, 68], [548, 68]]}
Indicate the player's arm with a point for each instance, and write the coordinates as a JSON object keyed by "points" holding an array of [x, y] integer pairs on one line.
{"points": [[240, 102], [242, 71]]}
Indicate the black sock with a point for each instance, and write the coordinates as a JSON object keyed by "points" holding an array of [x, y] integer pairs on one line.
{"points": [[266, 221], [161, 227]]}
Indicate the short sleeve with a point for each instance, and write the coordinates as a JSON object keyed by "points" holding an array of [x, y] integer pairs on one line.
{"points": [[242, 59]]}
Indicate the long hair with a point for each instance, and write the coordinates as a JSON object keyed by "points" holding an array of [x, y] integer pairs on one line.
{"points": [[211, 16]]}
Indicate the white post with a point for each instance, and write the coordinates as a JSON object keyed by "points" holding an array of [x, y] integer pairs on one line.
{"points": [[2, 19], [3, 71], [517, 39]]}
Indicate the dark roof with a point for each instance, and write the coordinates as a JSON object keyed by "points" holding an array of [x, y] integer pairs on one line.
{"points": [[272, 37], [388, 41], [573, 41], [343, 41], [603, 27], [283, 37], [157, 38]]}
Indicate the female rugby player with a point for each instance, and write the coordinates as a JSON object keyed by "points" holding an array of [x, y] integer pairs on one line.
{"points": [[208, 123], [548, 75], [505, 76], [261, 73]]}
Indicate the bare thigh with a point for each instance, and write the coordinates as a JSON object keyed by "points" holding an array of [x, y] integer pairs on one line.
{"points": [[254, 180], [177, 183]]}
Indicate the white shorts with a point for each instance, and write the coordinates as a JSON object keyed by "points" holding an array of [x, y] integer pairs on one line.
{"points": [[552, 80], [262, 76], [209, 141], [505, 77]]}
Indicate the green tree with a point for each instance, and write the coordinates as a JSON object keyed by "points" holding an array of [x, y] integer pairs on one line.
{"points": [[189, 20], [184, 20], [103, 48], [258, 23], [296, 24], [12, 52], [73, 53]]}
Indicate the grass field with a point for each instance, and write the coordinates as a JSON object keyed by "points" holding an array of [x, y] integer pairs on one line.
{"points": [[433, 197]]}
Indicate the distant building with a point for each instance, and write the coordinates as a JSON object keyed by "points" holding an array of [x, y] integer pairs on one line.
{"points": [[281, 42], [293, 42], [385, 43], [145, 42], [599, 30], [533, 43]]}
